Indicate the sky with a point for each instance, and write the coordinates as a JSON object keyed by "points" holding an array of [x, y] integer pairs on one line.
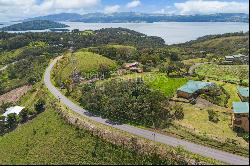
{"points": [[19, 9]]}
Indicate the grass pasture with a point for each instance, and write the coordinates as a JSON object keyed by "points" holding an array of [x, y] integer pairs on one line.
{"points": [[83, 62]]}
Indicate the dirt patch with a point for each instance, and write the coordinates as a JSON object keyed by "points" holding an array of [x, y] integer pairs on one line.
{"points": [[15, 95]]}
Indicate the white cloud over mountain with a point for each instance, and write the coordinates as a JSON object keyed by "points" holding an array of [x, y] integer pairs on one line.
{"points": [[24, 8], [111, 9], [211, 6], [19, 9]]}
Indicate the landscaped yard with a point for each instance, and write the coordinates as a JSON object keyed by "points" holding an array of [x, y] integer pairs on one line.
{"points": [[232, 73]]}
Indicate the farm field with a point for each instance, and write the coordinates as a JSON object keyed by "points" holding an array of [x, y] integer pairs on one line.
{"points": [[231, 73]]}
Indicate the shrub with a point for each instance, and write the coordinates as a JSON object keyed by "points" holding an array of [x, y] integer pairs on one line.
{"points": [[23, 115], [213, 116], [40, 106], [11, 121], [178, 112], [246, 137]]}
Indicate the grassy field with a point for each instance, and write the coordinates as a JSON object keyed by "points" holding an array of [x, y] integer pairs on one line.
{"points": [[233, 73], [166, 85], [83, 62], [48, 139], [196, 127], [231, 90], [158, 81], [191, 62]]}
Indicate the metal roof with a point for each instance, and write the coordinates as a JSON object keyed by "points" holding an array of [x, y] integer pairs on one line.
{"points": [[243, 91], [241, 107], [193, 86], [11, 110]]}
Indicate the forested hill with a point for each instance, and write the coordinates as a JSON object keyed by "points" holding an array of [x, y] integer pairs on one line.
{"points": [[124, 17], [34, 25]]}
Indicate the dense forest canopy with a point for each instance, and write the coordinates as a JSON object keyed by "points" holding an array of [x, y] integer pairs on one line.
{"points": [[34, 25]]}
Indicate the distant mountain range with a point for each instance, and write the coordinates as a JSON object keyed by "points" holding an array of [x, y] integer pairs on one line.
{"points": [[125, 17]]}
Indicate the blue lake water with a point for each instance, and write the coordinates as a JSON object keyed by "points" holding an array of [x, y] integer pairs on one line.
{"points": [[171, 32]]}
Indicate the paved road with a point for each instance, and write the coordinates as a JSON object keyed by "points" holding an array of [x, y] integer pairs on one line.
{"points": [[195, 148]]}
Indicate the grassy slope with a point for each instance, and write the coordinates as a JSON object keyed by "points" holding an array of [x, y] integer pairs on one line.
{"points": [[84, 62], [223, 45], [48, 139], [224, 72]]}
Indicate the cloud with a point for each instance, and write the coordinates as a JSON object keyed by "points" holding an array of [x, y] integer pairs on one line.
{"points": [[31, 8], [111, 9], [211, 6], [134, 4]]}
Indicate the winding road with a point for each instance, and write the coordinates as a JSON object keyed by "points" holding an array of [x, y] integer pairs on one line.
{"points": [[192, 147]]}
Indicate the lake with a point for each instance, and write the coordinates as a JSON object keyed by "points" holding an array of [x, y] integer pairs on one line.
{"points": [[171, 32]]}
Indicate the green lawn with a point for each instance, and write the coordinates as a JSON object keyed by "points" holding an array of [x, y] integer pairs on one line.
{"points": [[158, 81], [166, 85], [233, 73], [231, 90]]}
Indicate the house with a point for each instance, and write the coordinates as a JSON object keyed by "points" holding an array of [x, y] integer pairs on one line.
{"points": [[240, 116], [134, 67], [243, 93], [236, 59], [131, 65], [193, 88], [13, 110]]}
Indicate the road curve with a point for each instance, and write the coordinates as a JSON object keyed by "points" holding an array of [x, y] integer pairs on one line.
{"points": [[192, 147]]}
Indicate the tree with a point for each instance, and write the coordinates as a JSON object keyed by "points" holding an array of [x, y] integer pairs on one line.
{"points": [[11, 121], [213, 116], [104, 70], [127, 100], [23, 115], [40, 106], [178, 112], [2, 124]]}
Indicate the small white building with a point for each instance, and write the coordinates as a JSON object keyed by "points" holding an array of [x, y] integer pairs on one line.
{"points": [[13, 110]]}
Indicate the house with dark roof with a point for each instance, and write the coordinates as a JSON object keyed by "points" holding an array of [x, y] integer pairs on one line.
{"points": [[240, 117], [193, 88]]}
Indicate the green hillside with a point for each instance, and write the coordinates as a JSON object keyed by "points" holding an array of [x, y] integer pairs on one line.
{"points": [[34, 25]]}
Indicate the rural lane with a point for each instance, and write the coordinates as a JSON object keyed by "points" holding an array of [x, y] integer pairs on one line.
{"points": [[196, 65], [192, 147]]}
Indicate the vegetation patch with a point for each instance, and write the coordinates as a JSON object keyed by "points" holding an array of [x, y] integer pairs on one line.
{"points": [[230, 73]]}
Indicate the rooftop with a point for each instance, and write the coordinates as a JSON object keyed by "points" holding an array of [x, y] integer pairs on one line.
{"points": [[243, 91], [193, 86], [239, 55], [11, 110], [241, 107]]}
